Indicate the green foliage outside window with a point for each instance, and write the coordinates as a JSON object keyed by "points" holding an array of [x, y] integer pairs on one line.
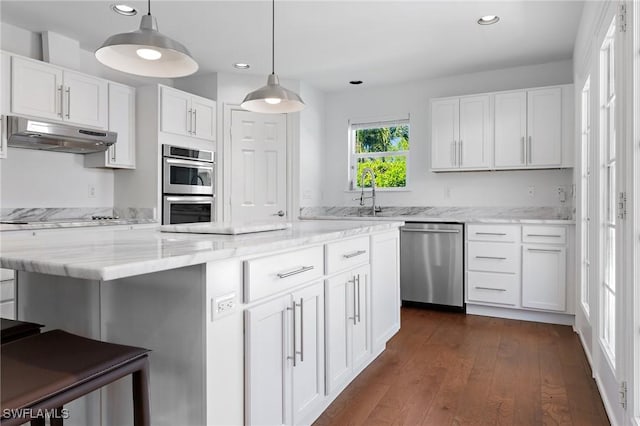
{"points": [[391, 170]]}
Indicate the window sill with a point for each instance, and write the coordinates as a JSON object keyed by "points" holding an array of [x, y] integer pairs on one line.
{"points": [[379, 190]]}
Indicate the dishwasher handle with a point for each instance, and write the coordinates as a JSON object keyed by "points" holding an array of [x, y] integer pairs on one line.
{"points": [[432, 231]]}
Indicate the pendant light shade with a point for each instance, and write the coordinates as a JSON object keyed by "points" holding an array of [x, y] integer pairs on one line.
{"points": [[147, 52], [273, 98]]}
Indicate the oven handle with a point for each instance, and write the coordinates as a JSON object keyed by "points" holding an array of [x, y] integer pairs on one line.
{"points": [[191, 200], [189, 163]]}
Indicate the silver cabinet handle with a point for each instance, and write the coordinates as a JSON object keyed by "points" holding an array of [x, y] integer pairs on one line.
{"points": [[358, 281], [195, 122], [489, 288], [523, 156], [61, 101], [189, 120], [354, 254], [354, 317], [280, 213], [529, 153], [491, 257], [460, 154], [68, 102], [113, 153], [293, 335], [544, 250], [295, 271], [301, 329], [544, 235], [490, 233], [433, 231], [453, 153]]}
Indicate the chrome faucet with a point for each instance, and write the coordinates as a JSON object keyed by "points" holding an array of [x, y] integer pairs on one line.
{"points": [[374, 209]]}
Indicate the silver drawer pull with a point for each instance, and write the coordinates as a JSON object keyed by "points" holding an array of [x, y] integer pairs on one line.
{"points": [[295, 271], [490, 233], [544, 235], [354, 254], [433, 231], [489, 288], [491, 257], [545, 250]]}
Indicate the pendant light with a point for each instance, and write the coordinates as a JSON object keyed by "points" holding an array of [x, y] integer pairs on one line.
{"points": [[273, 98], [147, 52]]}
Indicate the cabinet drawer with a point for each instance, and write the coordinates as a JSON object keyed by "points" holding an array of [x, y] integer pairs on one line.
{"points": [[7, 290], [6, 274], [500, 233], [493, 288], [544, 234], [272, 274], [8, 309], [493, 257], [346, 254]]}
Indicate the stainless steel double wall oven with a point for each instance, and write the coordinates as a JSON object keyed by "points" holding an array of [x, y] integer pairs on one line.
{"points": [[188, 185]]}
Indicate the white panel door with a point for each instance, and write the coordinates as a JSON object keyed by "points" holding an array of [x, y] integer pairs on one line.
{"points": [[360, 343], [85, 100], [267, 365], [475, 132], [258, 166], [339, 322], [445, 119], [122, 120], [544, 277], [204, 118], [510, 129], [308, 371], [175, 113], [544, 127], [36, 89]]}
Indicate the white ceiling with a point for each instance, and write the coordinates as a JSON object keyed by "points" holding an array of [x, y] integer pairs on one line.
{"points": [[327, 43]]}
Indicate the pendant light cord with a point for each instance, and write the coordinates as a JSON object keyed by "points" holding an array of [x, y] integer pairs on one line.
{"points": [[273, 36], [148, 7]]}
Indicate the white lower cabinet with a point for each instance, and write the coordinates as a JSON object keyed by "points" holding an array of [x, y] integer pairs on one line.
{"points": [[285, 358], [348, 345], [385, 287], [544, 277], [7, 294]]}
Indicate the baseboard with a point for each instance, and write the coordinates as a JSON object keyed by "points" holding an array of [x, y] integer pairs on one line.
{"points": [[520, 314], [585, 348], [605, 401]]}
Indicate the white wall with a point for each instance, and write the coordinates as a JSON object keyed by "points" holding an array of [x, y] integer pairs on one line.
{"points": [[503, 188], [312, 161]]}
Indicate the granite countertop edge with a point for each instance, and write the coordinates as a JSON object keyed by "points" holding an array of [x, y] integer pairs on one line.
{"points": [[72, 224], [418, 218]]}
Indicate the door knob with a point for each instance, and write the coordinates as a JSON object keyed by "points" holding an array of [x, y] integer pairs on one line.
{"points": [[280, 213]]}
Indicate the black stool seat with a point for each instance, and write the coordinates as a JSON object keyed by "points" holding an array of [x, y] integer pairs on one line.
{"points": [[48, 370], [11, 329]]}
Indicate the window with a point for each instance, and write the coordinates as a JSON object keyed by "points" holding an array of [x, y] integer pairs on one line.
{"points": [[586, 188], [382, 146], [608, 194]]}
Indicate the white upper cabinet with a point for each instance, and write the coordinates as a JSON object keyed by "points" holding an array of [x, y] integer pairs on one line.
{"points": [[45, 91], [121, 155], [460, 133], [510, 129], [523, 129], [184, 114], [544, 127]]}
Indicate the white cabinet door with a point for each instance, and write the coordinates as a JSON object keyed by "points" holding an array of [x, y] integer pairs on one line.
{"points": [[360, 343], [339, 321], [445, 128], [204, 118], [544, 127], [36, 89], [175, 112], [510, 129], [475, 132], [85, 100], [122, 107], [267, 363], [544, 277], [308, 371], [385, 287]]}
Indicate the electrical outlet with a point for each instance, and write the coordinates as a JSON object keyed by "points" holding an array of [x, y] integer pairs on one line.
{"points": [[225, 303], [92, 191], [562, 194], [531, 191]]}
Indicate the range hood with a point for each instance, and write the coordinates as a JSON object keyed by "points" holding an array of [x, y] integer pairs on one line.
{"points": [[57, 137]]}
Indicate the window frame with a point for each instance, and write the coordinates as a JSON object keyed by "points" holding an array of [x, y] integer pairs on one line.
{"points": [[372, 123]]}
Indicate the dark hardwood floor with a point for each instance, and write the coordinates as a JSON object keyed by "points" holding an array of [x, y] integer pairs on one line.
{"points": [[454, 369]]}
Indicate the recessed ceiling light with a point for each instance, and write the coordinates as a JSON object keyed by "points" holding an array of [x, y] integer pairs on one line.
{"points": [[241, 66], [123, 9], [356, 82], [488, 19]]}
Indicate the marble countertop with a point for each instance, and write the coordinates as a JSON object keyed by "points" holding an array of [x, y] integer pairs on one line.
{"points": [[17, 225], [524, 215], [109, 255]]}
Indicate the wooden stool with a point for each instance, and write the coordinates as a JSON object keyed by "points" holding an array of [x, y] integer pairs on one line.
{"points": [[46, 371], [11, 330]]}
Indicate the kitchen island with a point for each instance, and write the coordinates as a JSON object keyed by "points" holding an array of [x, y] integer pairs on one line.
{"points": [[257, 328]]}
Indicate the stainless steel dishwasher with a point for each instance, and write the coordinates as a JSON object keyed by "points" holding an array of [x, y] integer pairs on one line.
{"points": [[431, 268]]}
